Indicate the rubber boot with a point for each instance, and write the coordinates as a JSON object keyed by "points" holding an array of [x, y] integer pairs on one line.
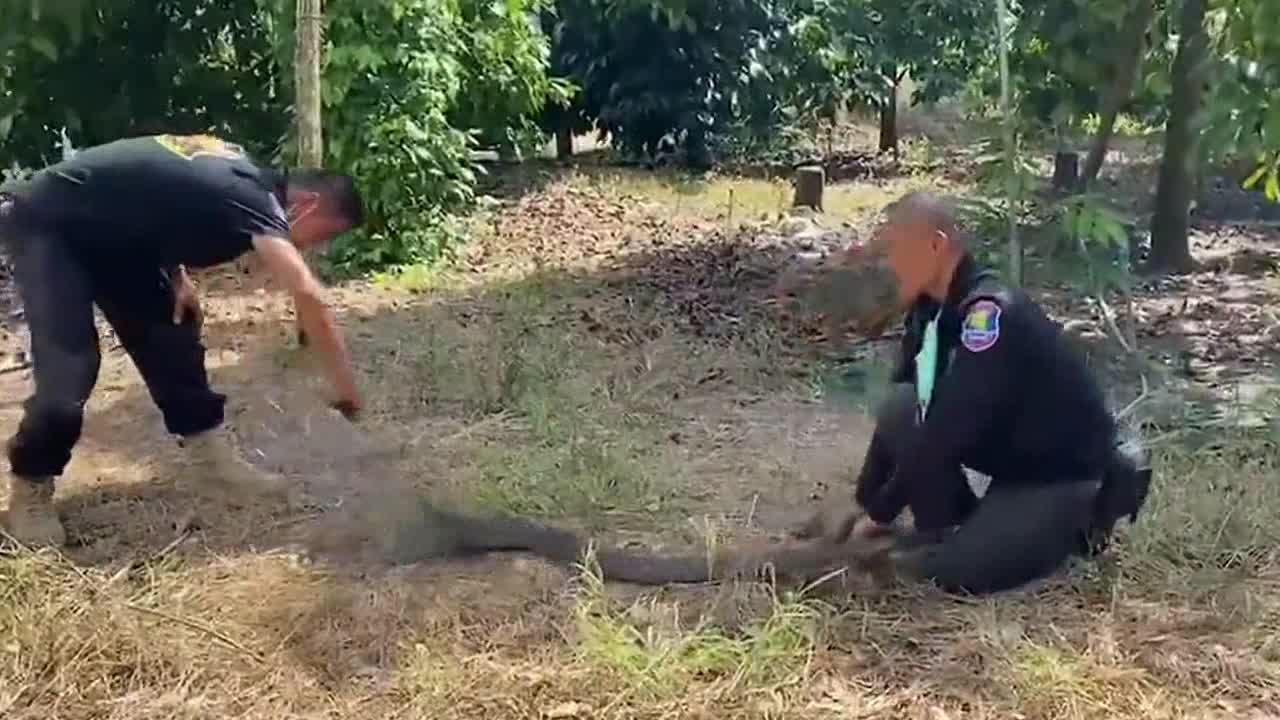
{"points": [[215, 464], [33, 520]]}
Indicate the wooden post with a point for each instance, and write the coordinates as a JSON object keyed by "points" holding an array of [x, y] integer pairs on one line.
{"points": [[1003, 23], [306, 70], [809, 184]]}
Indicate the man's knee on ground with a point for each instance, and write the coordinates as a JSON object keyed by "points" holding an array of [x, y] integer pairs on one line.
{"points": [[1017, 535], [48, 431]]}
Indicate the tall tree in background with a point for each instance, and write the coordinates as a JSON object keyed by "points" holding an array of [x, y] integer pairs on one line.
{"points": [[1003, 28], [1175, 189], [1124, 69], [306, 105], [882, 42], [306, 68]]}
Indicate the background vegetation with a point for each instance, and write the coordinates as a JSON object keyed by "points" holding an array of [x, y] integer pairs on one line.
{"points": [[412, 87]]}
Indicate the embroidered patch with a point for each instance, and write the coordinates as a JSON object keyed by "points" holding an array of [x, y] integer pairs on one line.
{"points": [[981, 326], [192, 146]]}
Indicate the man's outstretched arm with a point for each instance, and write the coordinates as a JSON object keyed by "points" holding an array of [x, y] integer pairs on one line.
{"points": [[287, 265]]}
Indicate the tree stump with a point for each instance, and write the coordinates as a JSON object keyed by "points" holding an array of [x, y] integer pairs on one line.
{"points": [[809, 184], [564, 143], [1066, 170]]}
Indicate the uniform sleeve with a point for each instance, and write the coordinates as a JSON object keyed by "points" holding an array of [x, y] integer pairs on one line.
{"points": [[259, 213], [964, 404], [904, 367]]}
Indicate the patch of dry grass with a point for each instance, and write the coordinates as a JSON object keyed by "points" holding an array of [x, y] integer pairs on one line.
{"points": [[731, 199]]}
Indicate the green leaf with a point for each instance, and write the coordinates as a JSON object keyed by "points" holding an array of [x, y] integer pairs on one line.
{"points": [[44, 46], [1273, 185], [1253, 179]]}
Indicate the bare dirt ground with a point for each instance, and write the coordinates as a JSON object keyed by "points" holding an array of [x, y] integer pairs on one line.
{"points": [[603, 357]]}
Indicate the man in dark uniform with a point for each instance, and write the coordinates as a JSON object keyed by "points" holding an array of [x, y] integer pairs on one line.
{"points": [[984, 380], [116, 226]]}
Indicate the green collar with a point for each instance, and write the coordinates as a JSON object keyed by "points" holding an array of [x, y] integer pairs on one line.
{"points": [[927, 365]]}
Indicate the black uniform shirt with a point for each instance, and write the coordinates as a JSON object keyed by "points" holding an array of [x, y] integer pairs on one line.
{"points": [[1012, 398], [160, 200]]}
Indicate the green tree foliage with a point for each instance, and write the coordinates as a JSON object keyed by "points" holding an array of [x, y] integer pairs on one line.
{"points": [[878, 43], [105, 70], [649, 68], [390, 80], [506, 83], [408, 87], [1244, 108]]}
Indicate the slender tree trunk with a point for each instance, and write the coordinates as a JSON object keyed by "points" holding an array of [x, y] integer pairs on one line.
{"points": [[889, 114], [1170, 246], [1125, 72], [306, 68], [1003, 29], [307, 78]]}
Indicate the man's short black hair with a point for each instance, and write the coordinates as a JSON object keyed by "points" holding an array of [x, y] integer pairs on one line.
{"points": [[338, 189]]}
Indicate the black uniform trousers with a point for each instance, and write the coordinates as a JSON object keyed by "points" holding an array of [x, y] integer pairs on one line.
{"points": [[1016, 533], [59, 286]]}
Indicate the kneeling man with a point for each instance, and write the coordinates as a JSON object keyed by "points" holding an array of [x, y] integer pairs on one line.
{"points": [[984, 380]]}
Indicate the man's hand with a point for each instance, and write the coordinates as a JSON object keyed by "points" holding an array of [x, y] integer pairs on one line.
{"points": [[869, 529], [838, 520], [832, 522], [284, 262], [185, 300], [350, 408]]}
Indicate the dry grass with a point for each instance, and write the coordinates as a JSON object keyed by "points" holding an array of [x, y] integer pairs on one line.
{"points": [[495, 393]]}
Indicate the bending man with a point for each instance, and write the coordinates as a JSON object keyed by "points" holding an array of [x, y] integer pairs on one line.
{"points": [[984, 380], [116, 226]]}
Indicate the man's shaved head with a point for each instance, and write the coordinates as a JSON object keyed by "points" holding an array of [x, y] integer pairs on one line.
{"points": [[924, 211], [924, 208], [923, 243]]}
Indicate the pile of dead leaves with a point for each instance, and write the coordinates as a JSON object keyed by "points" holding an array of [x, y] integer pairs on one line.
{"points": [[569, 228], [707, 279], [727, 284]]}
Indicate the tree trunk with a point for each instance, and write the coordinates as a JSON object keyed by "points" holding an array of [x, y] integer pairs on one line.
{"points": [[307, 111], [697, 152], [1066, 169], [306, 66], [809, 185], [889, 114], [1170, 247], [564, 142], [1125, 72]]}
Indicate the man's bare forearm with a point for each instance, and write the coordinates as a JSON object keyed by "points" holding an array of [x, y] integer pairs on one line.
{"points": [[318, 322]]}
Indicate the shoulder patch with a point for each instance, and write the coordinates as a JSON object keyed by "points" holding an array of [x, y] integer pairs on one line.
{"points": [[981, 326], [191, 146]]}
